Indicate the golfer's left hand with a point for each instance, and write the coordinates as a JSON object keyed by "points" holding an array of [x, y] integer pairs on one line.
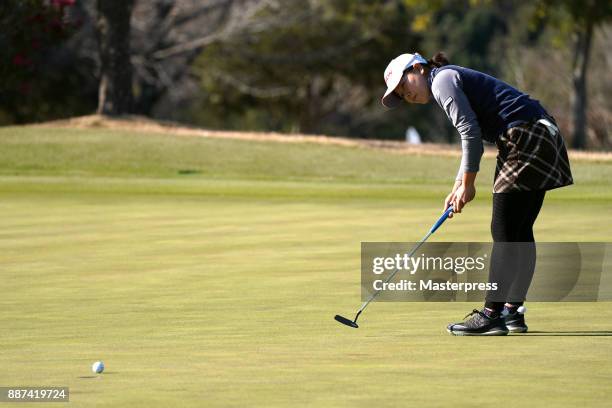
{"points": [[463, 195]]}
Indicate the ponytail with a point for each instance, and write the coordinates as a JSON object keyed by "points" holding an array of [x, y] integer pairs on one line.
{"points": [[438, 60]]}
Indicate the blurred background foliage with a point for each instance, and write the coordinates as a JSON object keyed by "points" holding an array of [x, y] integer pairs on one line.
{"points": [[308, 66]]}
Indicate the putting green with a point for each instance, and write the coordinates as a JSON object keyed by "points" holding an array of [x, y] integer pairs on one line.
{"points": [[206, 272]]}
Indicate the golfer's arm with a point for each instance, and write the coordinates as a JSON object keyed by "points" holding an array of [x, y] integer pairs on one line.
{"points": [[469, 178], [448, 91]]}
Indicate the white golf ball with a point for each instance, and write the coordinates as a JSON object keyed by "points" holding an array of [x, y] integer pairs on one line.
{"points": [[97, 367], [521, 309]]}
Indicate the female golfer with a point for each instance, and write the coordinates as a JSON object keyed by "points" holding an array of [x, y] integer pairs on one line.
{"points": [[531, 159]]}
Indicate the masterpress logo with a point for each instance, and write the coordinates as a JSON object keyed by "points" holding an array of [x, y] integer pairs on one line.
{"points": [[429, 285], [501, 271]]}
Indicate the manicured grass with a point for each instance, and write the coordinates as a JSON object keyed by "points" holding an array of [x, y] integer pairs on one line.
{"points": [[217, 286]]}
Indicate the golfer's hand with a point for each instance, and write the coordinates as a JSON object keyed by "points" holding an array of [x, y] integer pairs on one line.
{"points": [[448, 201], [463, 195]]}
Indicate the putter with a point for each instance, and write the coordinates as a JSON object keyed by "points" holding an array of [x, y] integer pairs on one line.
{"points": [[353, 323]]}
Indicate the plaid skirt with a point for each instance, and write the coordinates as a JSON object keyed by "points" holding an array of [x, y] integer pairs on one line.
{"points": [[531, 158]]}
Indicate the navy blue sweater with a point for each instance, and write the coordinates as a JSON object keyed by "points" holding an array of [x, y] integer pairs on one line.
{"points": [[480, 107]]}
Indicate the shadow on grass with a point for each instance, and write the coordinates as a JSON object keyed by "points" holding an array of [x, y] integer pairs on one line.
{"points": [[99, 375], [570, 333]]}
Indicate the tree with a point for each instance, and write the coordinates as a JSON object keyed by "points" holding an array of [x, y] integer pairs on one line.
{"points": [[587, 15], [313, 67], [170, 34], [33, 33], [580, 18], [113, 26], [166, 36]]}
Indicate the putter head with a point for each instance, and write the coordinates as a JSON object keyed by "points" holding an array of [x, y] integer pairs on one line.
{"points": [[346, 321]]}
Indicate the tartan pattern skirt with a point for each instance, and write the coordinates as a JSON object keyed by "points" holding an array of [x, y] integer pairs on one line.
{"points": [[531, 158]]}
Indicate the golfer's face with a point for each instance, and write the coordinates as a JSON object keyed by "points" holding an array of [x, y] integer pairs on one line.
{"points": [[413, 87]]}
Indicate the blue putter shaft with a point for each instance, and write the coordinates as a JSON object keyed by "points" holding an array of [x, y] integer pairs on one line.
{"points": [[416, 248]]}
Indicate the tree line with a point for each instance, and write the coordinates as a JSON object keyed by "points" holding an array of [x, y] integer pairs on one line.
{"points": [[309, 66]]}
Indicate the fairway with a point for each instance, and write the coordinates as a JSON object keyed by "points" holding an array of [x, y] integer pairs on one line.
{"points": [[207, 271]]}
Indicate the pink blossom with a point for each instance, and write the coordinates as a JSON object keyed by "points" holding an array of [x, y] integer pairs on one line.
{"points": [[21, 60]]}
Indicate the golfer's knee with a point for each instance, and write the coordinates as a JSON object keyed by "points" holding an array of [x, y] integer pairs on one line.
{"points": [[503, 232]]}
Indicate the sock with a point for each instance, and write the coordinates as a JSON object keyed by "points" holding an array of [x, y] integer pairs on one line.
{"points": [[490, 313], [514, 306], [495, 306]]}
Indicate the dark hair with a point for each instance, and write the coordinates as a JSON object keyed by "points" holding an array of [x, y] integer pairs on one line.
{"points": [[438, 60]]}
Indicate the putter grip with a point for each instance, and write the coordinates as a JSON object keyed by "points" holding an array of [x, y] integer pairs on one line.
{"points": [[441, 220]]}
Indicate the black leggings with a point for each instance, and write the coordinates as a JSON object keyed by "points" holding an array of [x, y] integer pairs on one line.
{"points": [[512, 265], [514, 215]]}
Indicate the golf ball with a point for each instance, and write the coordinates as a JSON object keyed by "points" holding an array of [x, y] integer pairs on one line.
{"points": [[521, 309], [97, 367]]}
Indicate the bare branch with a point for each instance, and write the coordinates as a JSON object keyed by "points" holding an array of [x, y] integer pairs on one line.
{"points": [[252, 90], [237, 18]]}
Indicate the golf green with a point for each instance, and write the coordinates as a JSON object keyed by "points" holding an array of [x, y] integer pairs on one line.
{"points": [[206, 272]]}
